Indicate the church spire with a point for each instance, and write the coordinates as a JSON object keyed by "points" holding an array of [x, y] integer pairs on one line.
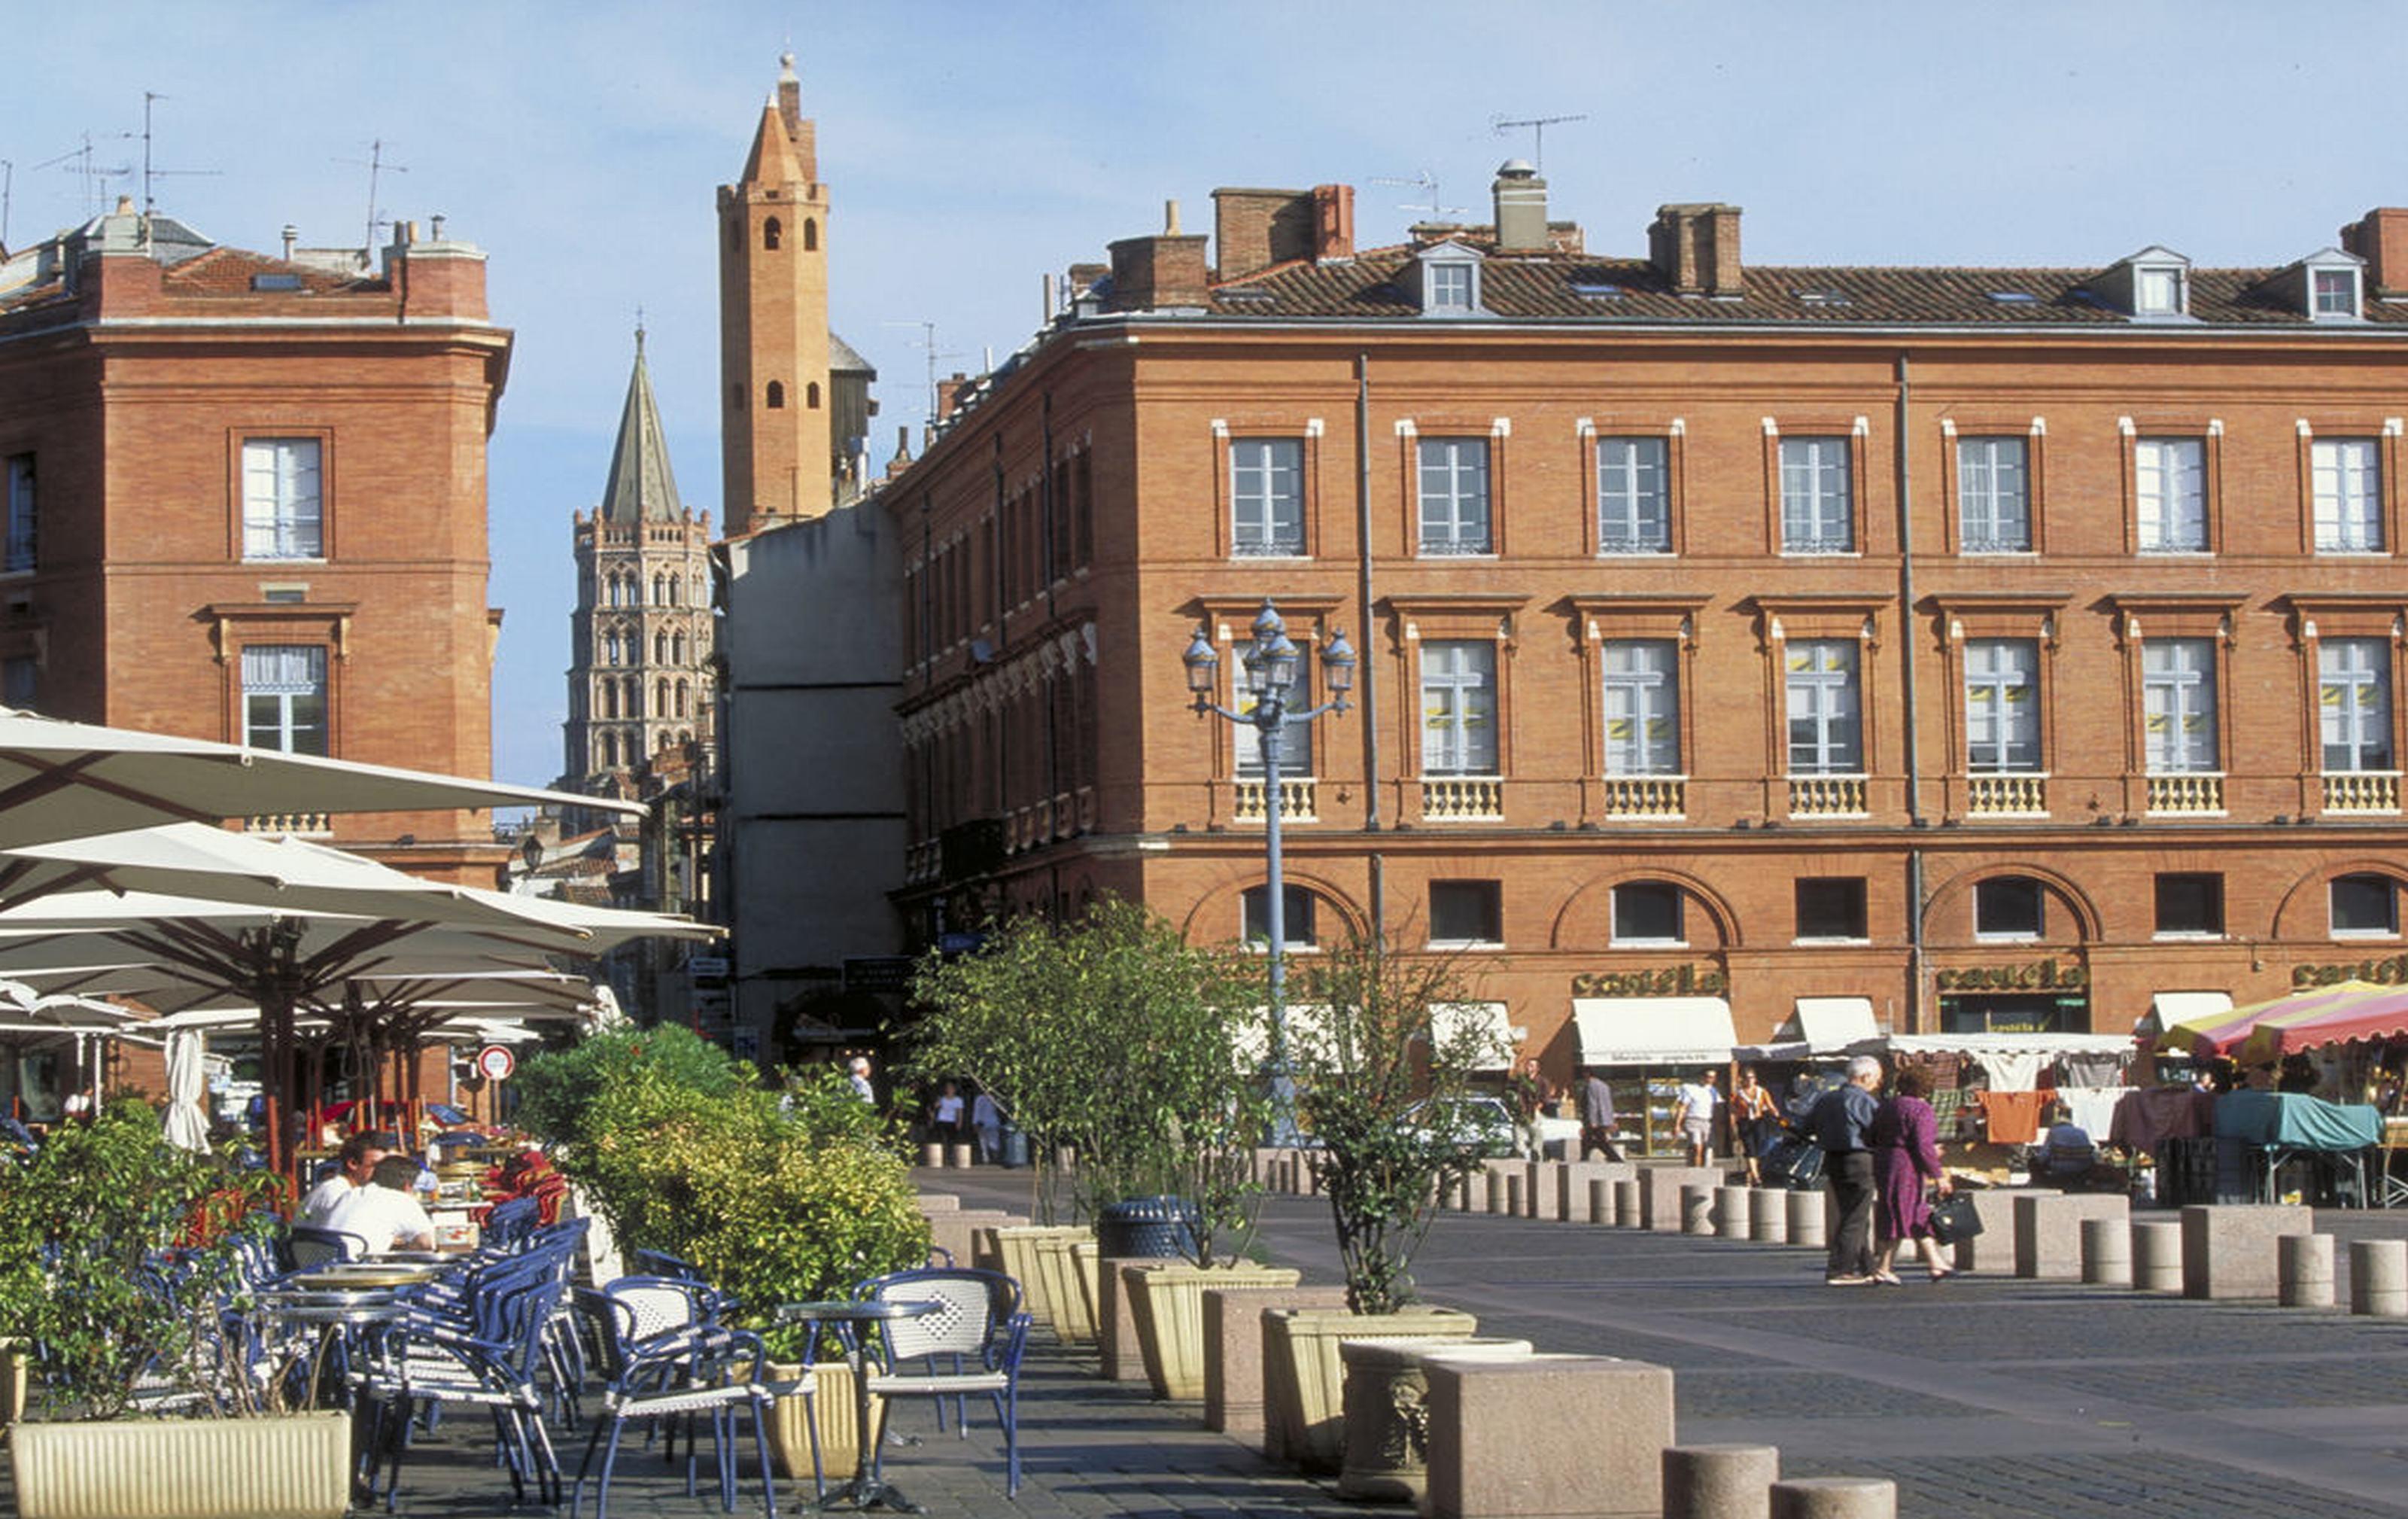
{"points": [[640, 488]]}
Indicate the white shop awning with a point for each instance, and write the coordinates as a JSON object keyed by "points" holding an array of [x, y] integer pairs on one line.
{"points": [[2168, 1008], [1487, 1022], [1830, 1024], [1654, 1031]]}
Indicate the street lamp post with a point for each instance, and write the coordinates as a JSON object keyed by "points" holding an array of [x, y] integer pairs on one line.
{"points": [[1270, 675]]}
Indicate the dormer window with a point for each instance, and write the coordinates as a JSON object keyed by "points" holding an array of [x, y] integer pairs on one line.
{"points": [[2158, 291], [2325, 286], [2154, 283], [2333, 291], [1448, 275]]}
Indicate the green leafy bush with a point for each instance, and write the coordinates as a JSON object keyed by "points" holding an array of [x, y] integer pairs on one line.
{"points": [[84, 1226]]}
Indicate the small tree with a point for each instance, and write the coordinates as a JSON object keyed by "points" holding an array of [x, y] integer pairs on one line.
{"points": [[1373, 1057], [1115, 1037]]}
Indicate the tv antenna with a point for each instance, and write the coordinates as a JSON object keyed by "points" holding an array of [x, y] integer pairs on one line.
{"points": [[7, 187], [927, 341], [1538, 125], [1426, 183], [96, 176], [375, 166], [150, 97]]}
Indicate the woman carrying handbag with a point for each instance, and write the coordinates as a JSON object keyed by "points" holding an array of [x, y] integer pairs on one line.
{"points": [[1906, 1153]]}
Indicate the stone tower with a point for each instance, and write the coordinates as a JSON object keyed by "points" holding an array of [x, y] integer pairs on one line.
{"points": [[780, 455], [639, 682]]}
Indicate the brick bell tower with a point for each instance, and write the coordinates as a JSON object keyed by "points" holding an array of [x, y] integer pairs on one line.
{"points": [[775, 392]]}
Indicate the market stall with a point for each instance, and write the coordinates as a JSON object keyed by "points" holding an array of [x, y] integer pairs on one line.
{"points": [[1646, 1047]]}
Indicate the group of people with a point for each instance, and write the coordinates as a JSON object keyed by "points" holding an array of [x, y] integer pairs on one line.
{"points": [[1881, 1160]]}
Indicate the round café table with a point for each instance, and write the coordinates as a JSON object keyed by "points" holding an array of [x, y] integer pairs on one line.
{"points": [[866, 1491]]}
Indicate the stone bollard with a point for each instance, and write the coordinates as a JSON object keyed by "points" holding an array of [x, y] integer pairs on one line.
{"points": [[1732, 1212], [1517, 1195], [932, 1156], [1550, 1435], [2228, 1248], [960, 1157], [1626, 1202], [1806, 1217], [1661, 1189], [1767, 1216], [2107, 1253], [2378, 1278], [1720, 1481], [2303, 1270], [1496, 1193], [1835, 1497], [1698, 1209], [1600, 1201], [2156, 1257], [1541, 1192]]}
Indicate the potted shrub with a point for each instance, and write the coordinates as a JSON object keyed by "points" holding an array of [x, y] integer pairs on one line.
{"points": [[775, 1196], [86, 1225], [1112, 1037], [1373, 1050]]}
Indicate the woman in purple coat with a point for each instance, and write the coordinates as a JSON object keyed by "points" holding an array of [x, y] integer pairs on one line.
{"points": [[1906, 1153]]}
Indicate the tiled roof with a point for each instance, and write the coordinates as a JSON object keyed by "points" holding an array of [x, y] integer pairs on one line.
{"points": [[1632, 290], [229, 271]]}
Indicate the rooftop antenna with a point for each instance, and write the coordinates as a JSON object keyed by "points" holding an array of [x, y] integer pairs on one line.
{"points": [[375, 166], [1538, 125], [96, 176], [150, 97], [927, 341], [7, 187], [1426, 183]]}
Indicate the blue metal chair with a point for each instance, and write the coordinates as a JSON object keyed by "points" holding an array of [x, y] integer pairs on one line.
{"points": [[972, 1343], [674, 1372]]}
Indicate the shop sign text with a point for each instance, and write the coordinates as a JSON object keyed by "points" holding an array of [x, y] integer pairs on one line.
{"points": [[1671, 981], [2389, 971], [2038, 973]]}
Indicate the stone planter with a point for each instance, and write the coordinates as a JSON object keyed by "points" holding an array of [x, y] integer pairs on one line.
{"points": [[1387, 1423], [1305, 1379], [295, 1467], [831, 1402], [1169, 1307], [1019, 1244], [1074, 1309], [1086, 1258]]}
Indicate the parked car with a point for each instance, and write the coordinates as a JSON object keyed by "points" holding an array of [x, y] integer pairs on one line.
{"points": [[1485, 1124]]}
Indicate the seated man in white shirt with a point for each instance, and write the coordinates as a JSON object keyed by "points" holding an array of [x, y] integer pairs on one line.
{"points": [[359, 1157], [384, 1212]]}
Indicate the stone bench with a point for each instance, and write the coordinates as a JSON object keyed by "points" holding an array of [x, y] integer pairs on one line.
{"points": [[1549, 1436], [2229, 1249], [1660, 1193]]}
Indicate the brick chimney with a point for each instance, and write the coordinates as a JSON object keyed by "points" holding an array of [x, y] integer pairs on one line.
{"points": [[1161, 272], [949, 391], [1695, 248], [1253, 230], [437, 279], [2381, 238], [1521, 198], [1333, 221]]}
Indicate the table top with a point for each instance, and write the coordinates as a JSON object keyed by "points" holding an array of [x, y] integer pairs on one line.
{"points": [[856, 1310], [364, 1275]]}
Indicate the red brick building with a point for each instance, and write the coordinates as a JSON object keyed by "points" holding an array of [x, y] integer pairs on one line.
{"points": [[2000, 649], [245, 498]]}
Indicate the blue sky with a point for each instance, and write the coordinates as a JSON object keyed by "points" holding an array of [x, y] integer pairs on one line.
{"points": [[970, 148]]}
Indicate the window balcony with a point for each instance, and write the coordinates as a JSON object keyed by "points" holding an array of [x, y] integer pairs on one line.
{"points": [[2007, 793], [1827, 796], [2192, 793], [1300, 800], [1463, 799], [304, 824], [921, 862], [1437, 548], [2365, 792], [1647, 798], [1270, 548]]}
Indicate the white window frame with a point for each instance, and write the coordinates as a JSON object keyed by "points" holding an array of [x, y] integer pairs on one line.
{"points": [[2353, 704], [1819, 495], [2002, 706], [2332, 918], [2039, 928], [1634, 503], [284, 676], [2345, 479], [2332, 293], [1994, 495], [1465, 501], [2171, 519], [2179, 727], [1679, 938], [1450, 285], [1267, 520], [1459, 707], [283, 498], [1296, 739], [1822, 691], [2160, 290], [1644, 697]]}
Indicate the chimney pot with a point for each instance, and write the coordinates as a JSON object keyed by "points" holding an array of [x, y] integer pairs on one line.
{"points": [[1521, 198], [1333, 221]]}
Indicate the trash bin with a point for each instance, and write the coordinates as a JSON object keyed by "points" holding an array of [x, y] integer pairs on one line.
{"points": [[1015, 1145], [1146, 1227]]}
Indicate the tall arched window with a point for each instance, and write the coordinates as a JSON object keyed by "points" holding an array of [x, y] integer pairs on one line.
{"points": [[631, 697], [658, 586], [611, 647], [660, 647], [660, 697], [810, 236], [673, 590], [776, 398], [677, 647], [681, 699], [609, 751], [609, 699], [811, 395], [771, 233]]}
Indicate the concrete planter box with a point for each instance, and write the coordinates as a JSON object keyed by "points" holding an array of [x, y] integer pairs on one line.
{"points": [[1073, 1307], [1169, 1307], [1305, 1377], [297, 1467], [831, 1401], [1387, 1418], [1018, 1243]]}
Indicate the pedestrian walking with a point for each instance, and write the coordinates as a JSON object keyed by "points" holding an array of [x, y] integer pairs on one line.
{"points": [[1905, 1138], [1842, 1124], [1598, 1118], [1695, 1110], [1533, 1095], [1756, 1120]]}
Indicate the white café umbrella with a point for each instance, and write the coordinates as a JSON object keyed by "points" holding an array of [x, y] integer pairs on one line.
{"points": [[61, 779], [187, 1125]]}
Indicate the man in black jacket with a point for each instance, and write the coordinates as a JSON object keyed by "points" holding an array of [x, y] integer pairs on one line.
{"points": [[1842, 1124]]}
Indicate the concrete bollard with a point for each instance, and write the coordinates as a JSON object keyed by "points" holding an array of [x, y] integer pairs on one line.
{"points": [[1767, 1216], [2378, 1278], [1626, 1202], [1661, 1189], [2228, 1248], [1541, 1191], [961, 1157], [1835, 1497], [1600, 1200], [2303, 1270], [2107, 1253], [1733, 1209], [1806, 1217], [1697, 1208], [1493, 1191], [2048, 1231], [1720, 1481], [1517, 1199], [932, 1156], [1547, 1435], [2156, 1257]]}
